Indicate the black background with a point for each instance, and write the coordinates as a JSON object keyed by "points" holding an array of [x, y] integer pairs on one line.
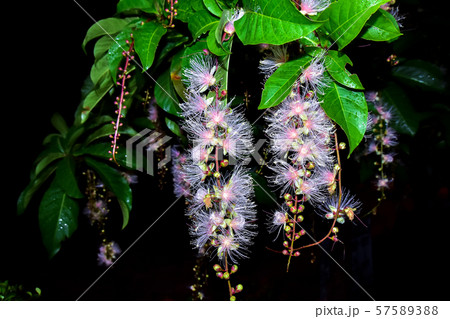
{"points": [[402, 255]]}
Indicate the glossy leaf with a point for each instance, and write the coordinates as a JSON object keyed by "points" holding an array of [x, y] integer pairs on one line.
{"points": [[116, 183], [200, 23], [35, 183], [59, 123], [58, 218], [108, 26], [348, 109], [165, 94], [147, 6], [421, 74], [381, 26], [344, 19], [213, 7], [279, 84], [336, 66], [92, 99], [174, 127], [65, 177], [146, 41], [272, 22], [215, 47]]}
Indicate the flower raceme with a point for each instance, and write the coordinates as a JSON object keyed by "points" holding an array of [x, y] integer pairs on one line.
{"points": [[220, 206], [304, 148]]}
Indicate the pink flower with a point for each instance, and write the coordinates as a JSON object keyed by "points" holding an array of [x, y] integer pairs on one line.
{"points": [[200, 75], [274, 59], [312, 76], [108, 253]]}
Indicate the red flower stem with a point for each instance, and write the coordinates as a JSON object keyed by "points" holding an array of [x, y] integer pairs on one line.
{"points": [[339, 200]]}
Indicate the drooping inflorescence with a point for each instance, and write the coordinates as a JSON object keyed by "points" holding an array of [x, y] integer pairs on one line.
{"points": [[381, 139], [305, 164], [217, 186], [121, 98]]}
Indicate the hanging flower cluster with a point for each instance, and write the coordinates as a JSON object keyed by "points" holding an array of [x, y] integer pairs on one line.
{"points": [[211, 174], [304, 163], [381, 140]]}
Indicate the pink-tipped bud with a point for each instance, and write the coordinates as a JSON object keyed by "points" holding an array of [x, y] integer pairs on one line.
{"points": [[223, 93], [219, 274], [288, 196], [297, 253], [226, 275], [290, 203], [300, 208], [217, 267], [302, 232], [234, 268], [300, 218], [229, 28], [286, 243], [285, 252], [224, 163], [293, 209], [239, 288], [287, 228]]}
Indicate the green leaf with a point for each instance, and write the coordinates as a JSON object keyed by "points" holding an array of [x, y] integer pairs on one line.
{"points": [[92, 99], [65, 177], [58, 218], [147, 6], [115, 52], [213, 7], [100, 70], [146, 41], [335, 63], [279, 84], [100, 150], [200, 22], [215, 47], [348, 109], [344, 19], [59, 123], [35, 183], [53, 152], [109, 27], [165, 94], [107, 130], [174, 127], [406, 119], [116, 183], [102, 46], [381, 26], [263, 194], [272, 22], [422, 74]]}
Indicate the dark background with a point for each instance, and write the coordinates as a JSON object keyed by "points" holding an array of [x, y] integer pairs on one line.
{"points": [[402, 255]]}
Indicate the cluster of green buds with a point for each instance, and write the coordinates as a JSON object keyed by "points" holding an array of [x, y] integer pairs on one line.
{"points": [[225, 274]]}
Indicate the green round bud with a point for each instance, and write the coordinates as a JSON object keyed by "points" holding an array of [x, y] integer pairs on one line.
{"points": [[233, 298], [216, 174], [226, 275], [239, 288]]}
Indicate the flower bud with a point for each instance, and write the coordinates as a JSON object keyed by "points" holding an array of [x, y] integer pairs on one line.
{"points": [[297, 253], [300, 208], [293, 209], [285, 252], [226, 275], [300, 218], [229, 28], [217, 267], [234, 268], [224, 163], [342, 146], [239, 288], [233, 298], [285, 243], [219, 274], [335, 230], [216, 174], [287, 228], [290, 203]]}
